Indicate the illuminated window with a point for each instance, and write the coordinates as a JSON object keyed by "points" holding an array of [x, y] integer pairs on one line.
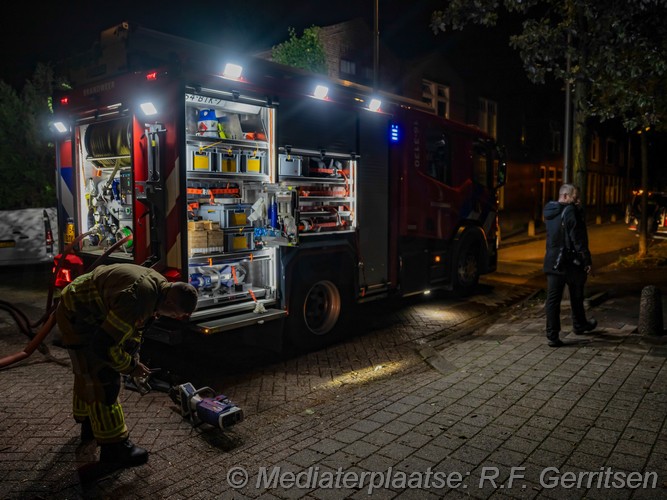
{"points": [[595, 147], [550, 180]]}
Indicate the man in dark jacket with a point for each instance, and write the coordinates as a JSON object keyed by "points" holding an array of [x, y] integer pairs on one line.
{"points": [[567, 262], [101, 316]]}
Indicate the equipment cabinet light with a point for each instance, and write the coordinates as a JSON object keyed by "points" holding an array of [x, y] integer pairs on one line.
{"points": [[375, 104], [232, 71], [148, 108], [321, 92], [60, 127]]}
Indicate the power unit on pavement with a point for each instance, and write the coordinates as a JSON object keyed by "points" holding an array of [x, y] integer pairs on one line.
{"points": [[203, 406]]}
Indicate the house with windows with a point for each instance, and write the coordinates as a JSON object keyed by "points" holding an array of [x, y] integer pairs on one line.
{"points": [[482, 83]]}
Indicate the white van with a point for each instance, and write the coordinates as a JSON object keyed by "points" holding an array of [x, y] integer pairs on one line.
{"points": [[26, 236]]}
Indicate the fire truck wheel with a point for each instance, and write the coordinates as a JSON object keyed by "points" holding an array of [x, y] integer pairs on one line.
{"points": [[467, 269], [316, 312]]}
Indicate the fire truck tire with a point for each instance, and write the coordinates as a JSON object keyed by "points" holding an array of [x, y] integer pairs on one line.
{"points": [[467, 265], [317, 312]]}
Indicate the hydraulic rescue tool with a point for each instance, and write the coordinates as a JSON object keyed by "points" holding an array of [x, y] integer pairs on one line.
{"points": [[204, 406]]}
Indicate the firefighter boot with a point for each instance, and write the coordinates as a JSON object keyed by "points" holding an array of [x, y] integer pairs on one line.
{"points": [[123, 454]]}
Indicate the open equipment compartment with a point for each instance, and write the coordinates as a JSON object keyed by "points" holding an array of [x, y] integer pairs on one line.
{"points": [[325, 184], [228, 148], [104, 190]]}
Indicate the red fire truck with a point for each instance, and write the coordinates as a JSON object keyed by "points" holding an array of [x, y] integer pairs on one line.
{"points": [[277, 194]]}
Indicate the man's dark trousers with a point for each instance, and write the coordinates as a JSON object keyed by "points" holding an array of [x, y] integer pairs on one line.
{"points": [[575, 279]]}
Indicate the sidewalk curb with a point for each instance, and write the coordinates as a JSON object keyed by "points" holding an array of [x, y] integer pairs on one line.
{"points": [[596, 299], [442, 338]]}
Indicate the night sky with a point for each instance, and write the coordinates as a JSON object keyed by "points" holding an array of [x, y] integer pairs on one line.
{"points": [[56, 30]]}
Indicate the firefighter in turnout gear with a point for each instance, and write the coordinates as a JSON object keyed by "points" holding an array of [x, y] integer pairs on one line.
{"points": [[101, 316]]}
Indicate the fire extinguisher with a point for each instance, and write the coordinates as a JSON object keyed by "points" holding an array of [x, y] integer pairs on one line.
{"points": [[70, 233]]}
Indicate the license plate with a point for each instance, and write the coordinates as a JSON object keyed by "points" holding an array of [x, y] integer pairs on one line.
{"points": [[7, 243]]}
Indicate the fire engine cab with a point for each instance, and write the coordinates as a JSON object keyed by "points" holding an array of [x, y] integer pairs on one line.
{"points": [[278, 194]]}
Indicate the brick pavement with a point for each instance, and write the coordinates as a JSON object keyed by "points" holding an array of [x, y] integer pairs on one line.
{"points": [[406, 398]]}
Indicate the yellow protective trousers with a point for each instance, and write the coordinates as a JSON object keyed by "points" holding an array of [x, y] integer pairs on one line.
{"points": [[96, 386], [96, 390]]}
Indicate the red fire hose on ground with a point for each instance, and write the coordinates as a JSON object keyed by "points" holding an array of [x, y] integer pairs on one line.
{"points": [[48, 320], [35, 343]]}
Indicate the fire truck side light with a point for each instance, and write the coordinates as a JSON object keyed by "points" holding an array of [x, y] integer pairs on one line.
{"points": [[232, 71], [151, 76], [148, 108], [64, 101], [375, 104], [321, 92], [60, 127]]}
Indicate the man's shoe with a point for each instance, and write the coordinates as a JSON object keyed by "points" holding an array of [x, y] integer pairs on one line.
{"points": [[590, 326], [123, 454], [556, 343], [87, 431]]}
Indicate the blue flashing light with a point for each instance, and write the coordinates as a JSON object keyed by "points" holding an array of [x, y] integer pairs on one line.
{"points": [[394, 133]]}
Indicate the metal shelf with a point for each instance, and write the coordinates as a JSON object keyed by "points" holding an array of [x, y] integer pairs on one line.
{"points": [[239, 176], [104, 158], [222, 258], [221, 143], [303, 200], [303, 180]]}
